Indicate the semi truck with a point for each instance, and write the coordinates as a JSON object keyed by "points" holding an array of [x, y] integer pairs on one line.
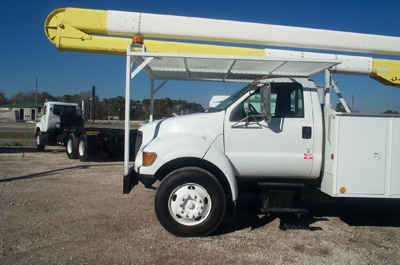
{"points": [[62, 124], [277, 136]]}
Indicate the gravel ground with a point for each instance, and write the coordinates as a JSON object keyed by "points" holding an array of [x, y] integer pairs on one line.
{"points": [[60, 211]]}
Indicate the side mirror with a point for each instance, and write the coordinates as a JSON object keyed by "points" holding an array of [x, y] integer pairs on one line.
{"points": [[265, 102]]}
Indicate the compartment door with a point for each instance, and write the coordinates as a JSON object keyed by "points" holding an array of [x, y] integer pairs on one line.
{"points": [[361, 155]]}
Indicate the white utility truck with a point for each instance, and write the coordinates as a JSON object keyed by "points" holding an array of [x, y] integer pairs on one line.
{"points": [[62, 124], [278, 151], [277, 136]]}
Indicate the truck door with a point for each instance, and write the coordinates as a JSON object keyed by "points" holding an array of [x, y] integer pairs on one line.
{"points": [[54, 116], [43, 119], [281, 148]]}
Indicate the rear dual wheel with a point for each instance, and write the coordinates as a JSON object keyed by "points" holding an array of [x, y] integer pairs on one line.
{"points": [[83, 149], [72, 143], [89, 152]]}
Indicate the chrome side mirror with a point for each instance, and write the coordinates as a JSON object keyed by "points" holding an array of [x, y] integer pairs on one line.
{"points": [[265, 102]]}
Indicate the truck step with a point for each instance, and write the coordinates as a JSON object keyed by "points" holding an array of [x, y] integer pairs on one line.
{"points": [[284, 210], [281, 185]]}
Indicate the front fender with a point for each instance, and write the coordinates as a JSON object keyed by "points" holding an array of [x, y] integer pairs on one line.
{"points": [[219, 159], [168, 149], [187, 146]]}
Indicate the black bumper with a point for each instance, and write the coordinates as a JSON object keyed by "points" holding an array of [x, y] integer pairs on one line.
{"points": [[133, 179]]}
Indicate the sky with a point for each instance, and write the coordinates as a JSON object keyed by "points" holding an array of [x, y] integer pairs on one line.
{"points": [[27, 54]]}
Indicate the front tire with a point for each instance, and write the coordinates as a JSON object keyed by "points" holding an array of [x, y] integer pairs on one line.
{"points": [[72, 147], [39, 141], [190, 202]]}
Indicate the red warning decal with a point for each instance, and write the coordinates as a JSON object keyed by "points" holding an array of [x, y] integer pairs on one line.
{"points": [[308, 154]]}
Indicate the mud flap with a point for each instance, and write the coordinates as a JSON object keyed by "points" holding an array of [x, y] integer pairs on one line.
{"points": [[130, 181]]}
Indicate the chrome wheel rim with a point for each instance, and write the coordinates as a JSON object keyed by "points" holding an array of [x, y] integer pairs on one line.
{"points": [[70, 146], [82, 148], [189, 204]]}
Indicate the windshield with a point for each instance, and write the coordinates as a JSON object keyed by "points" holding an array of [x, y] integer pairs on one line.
{"points": [[229, 101]]}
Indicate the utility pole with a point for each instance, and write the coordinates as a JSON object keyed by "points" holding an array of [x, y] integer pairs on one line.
{"points": [[93, 101], [36, 112], [352, 102]]}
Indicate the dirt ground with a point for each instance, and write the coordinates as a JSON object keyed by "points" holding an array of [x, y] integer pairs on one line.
{"points": [[60, 211]]}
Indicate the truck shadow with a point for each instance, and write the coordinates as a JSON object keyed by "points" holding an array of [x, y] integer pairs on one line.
{"points": [[50, 172], [26, 150], [360, 212], [14, 150], [354, 212], [17, 150]]}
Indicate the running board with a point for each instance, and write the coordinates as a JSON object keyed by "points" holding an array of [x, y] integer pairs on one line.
{"points": [[281, 185], [277, 197], [284, 210]]}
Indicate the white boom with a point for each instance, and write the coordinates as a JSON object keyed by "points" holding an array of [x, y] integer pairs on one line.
{"points": [[190, 28]]}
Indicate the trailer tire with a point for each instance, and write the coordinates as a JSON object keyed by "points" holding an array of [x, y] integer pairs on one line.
{"points": [[190, 202], [39, 141], [83, 149], [72, 147]]}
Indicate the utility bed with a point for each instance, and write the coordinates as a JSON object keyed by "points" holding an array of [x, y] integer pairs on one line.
{"points": [[362, 156]]}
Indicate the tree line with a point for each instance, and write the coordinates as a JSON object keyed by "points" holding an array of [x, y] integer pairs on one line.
{"points": [[114, 107], [339, 107]]}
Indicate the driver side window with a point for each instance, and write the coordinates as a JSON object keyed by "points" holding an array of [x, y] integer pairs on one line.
{"points": [[286, 102]]}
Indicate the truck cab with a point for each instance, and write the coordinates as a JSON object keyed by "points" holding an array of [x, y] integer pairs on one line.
{"points": [[56, 117], [235, 141], [52, 112]]}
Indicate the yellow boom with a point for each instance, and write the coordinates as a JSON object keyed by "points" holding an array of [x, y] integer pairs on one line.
{"points": [[98, 31]]}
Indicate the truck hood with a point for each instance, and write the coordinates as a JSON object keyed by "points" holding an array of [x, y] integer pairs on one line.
{"points": [[205, 125]]}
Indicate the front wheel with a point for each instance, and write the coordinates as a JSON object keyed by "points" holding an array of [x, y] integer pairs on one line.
{"points": [[190, 202], [39, 141]]}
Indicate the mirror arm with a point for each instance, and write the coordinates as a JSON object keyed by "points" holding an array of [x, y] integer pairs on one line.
{"points": [[247, 121], [248, 106]]}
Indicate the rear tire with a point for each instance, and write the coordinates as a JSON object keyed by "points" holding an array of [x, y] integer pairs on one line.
{"points": [[190, 202], [39, 141], [83, 149], [72, 144]]}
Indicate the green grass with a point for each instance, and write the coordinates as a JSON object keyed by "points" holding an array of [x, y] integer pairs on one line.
{"points": [[16, 135], [13, 144]]}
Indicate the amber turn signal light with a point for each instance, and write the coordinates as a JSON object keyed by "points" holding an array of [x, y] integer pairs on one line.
{"points": [[148, 158]]}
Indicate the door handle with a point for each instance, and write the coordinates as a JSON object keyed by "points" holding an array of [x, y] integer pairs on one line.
{"points": [[307, 132]]}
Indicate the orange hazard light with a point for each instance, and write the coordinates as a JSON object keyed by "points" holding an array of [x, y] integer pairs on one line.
{"points": [[138, 39]]}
